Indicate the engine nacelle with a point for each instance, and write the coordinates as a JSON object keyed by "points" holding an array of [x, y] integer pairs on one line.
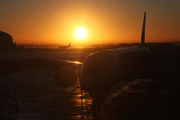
{"points": [[66, 77]]}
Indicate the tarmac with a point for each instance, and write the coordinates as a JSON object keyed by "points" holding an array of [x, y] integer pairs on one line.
{"points": [[29, 92]]}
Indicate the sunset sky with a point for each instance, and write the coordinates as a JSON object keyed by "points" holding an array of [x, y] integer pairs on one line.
{"points": [[111, 21]]}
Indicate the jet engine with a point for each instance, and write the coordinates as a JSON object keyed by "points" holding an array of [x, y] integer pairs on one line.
{"points": [[66, 77]]}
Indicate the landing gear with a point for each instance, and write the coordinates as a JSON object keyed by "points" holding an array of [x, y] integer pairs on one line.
{"points": [[96, 101]]}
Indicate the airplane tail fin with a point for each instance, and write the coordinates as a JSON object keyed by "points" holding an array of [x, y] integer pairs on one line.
{"points": [[69, 44], [143, 31]]}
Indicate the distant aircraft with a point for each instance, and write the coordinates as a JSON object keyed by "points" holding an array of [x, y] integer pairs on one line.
{"points": [[65, 47]]}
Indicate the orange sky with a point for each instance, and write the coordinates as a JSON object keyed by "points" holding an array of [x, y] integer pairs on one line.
{"points": [[54, 22]]}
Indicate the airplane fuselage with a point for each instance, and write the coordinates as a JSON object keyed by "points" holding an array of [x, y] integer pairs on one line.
{"points": [[63, 47], [103, 69]]}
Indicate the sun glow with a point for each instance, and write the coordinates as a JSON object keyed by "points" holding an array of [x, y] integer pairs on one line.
{"points": [[80, 33]]}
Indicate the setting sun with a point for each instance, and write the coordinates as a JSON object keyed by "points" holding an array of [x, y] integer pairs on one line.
{"points": [[80, 33]]}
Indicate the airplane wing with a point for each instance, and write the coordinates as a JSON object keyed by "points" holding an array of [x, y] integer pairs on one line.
{"points": [[52, 59], [65, 76]]}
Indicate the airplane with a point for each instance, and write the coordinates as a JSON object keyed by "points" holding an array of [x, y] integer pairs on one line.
{"points": [[102, 70], [65, 47]]}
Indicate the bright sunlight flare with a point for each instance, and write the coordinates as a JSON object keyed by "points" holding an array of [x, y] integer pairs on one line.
{"points": [[80, 33]]}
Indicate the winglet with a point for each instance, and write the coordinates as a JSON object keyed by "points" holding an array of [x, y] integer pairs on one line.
{"points": [[143, 31]]}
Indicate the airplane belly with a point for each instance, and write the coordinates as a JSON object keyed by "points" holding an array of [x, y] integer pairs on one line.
{"points": [[98, 84]]}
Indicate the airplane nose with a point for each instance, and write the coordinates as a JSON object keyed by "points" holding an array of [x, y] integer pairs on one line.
{"points": [[97, 68], [99, 64]]}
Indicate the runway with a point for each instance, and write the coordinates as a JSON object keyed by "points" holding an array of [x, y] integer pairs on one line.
{"points": [[33, 87]]}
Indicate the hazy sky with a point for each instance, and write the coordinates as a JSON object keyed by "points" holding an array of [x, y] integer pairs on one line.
{"points": [[116, 21]]}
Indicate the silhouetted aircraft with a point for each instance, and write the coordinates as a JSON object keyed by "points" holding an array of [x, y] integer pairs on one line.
{"points": [[103, 69], [65, 47]]}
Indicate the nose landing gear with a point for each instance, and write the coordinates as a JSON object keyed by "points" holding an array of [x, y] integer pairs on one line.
{"points": [[96, 101]]}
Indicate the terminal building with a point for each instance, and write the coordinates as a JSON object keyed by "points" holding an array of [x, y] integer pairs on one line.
{"points": [[6, 42]]}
